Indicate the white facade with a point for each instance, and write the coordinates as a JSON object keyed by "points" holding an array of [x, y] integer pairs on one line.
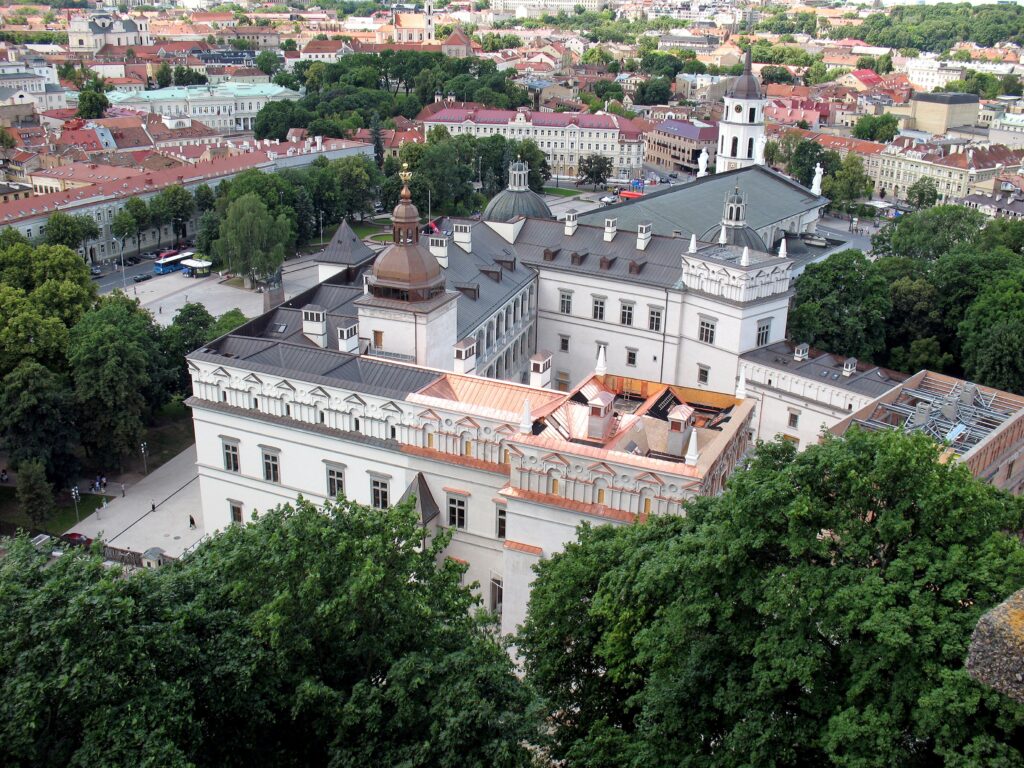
{"points": [[87, 34], [740, 133], [226, 107]]}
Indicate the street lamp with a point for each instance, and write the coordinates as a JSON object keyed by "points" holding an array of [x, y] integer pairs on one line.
{"points": [[124, 282], [76, 496], [321, 227], [145, 465]]}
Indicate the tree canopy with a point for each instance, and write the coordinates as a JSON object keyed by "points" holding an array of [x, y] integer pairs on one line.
{"points": [[311, 636], [816, 613]]}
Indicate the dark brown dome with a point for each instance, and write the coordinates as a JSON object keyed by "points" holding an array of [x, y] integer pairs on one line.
{"points": [[746, 85], [406, 270]]}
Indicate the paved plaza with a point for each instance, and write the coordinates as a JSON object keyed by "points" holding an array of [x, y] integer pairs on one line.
{"points": [[132, 522]]}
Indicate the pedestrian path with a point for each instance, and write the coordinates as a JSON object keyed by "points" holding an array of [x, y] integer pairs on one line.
{"points": [[154, 511]]}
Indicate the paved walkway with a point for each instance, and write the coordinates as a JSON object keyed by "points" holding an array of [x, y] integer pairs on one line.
{"points": [[132, 523]]}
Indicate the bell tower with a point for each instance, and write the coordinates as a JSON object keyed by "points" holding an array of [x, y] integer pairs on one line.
{"points": [[741, 129]]}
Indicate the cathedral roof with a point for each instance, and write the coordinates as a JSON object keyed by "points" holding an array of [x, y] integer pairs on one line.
{"points": [[518, 200]]}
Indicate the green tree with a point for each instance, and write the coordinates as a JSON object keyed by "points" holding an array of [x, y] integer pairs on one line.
{"points": [[164, 75], [226, 323], [37, 420], [816, 613], [594, 169], [158, 214], [880, 128], [849, 184], [805, 156], [140, 214], [991, 335], [179, 205], [922, 193], [818, 73], [70, 230], [840, 305], [34, 492], [123, 225], [376, 137], [777, 75], [364, 652], [251, 241], [268, 62], [120, 375], [204, 198], [930, 233], [189, 330], [91, 105]]}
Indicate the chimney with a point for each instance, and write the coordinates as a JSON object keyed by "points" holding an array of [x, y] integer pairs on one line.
{"points": [[600, 417], [540, 370], [601, 369], [464, 236], [610, 228], [801, 352], [526, 421], [741, 385], [850, 366], [693, 244], [680, 424], [643, 236], [465, 356], [348, 339], [439, 249], [314, 324], [570, 222], [692, 454]]}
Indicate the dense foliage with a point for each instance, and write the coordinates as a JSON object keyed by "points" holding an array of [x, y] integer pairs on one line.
{"points": [[816, 613], [946, 292], [309, 637], [939, 27]]}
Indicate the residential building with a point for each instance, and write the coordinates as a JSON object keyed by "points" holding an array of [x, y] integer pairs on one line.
{"points": [[325, 50], [1008, 130], [1000, 205], [563, 137], [928, 74], [227, 107], [956, 167], [11, 190], [702, 87], [537, 8], [676, 145]]}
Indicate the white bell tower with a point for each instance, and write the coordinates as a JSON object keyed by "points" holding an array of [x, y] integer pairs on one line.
{"points": [[741, 129]]}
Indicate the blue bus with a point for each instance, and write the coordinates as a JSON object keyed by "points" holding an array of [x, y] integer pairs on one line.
{"points": [[170, 261]]}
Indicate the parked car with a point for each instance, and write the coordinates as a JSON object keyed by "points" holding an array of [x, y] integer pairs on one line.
{"points": [[95, 272], [132, 260], [143, 277], [609, 199], [78, 539], [148, 256], [673, 175]]}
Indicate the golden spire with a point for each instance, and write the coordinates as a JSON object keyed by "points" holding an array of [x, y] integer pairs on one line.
{"points": [[405, 174]]}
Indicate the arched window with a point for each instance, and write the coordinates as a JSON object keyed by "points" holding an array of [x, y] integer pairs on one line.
{"points": [[750, 148], [753, 114], [735, 146]]}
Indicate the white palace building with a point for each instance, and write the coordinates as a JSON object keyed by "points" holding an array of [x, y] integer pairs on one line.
{"points": [[523, 375]]}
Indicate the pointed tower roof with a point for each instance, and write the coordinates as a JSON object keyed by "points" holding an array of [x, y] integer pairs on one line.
{"points": [[746, 86]]}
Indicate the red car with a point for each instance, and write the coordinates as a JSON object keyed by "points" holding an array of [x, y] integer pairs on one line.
{"points": [[79, 539]]}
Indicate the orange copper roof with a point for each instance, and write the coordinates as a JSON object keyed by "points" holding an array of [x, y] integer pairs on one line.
{"points": [[594, 510], [488, 394], [528, 549]]}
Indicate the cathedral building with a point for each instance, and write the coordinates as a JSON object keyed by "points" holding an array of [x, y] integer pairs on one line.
{"points": [[741, 133]]}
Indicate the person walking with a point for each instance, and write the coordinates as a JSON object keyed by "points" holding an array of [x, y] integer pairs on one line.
{"points": [[152, 506], [122, 490], [191, 522]]}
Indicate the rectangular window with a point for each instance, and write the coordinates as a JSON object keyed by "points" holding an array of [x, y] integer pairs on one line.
{"points": [[562, 381], [598, 309], [335, 482], [236, 512], [631, 357], [703, 374], [794, 420], [497, 595], [379, 493], [764, 331], [231, 458], [457, 512], [271, 467], [563, 343], [565, 302], [626, 314], [654, 320], [501, 512], [707, 331]]}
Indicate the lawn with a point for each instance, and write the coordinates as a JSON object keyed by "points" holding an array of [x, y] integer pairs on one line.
{"points": [[365, 229], [382, 237], [61, 522], [561, 191]]}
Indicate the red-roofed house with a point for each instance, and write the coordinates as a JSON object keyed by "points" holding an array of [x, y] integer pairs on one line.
{"points": [[860, 79]]}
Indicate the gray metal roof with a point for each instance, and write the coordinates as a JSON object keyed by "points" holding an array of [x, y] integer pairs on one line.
{"points": [[425, 503], [771, 197], [345, 248], [826, 368], [510, 204]]}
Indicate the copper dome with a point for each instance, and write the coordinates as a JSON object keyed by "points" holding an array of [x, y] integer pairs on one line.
{"points": [[746, 85], [406, 270]]}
